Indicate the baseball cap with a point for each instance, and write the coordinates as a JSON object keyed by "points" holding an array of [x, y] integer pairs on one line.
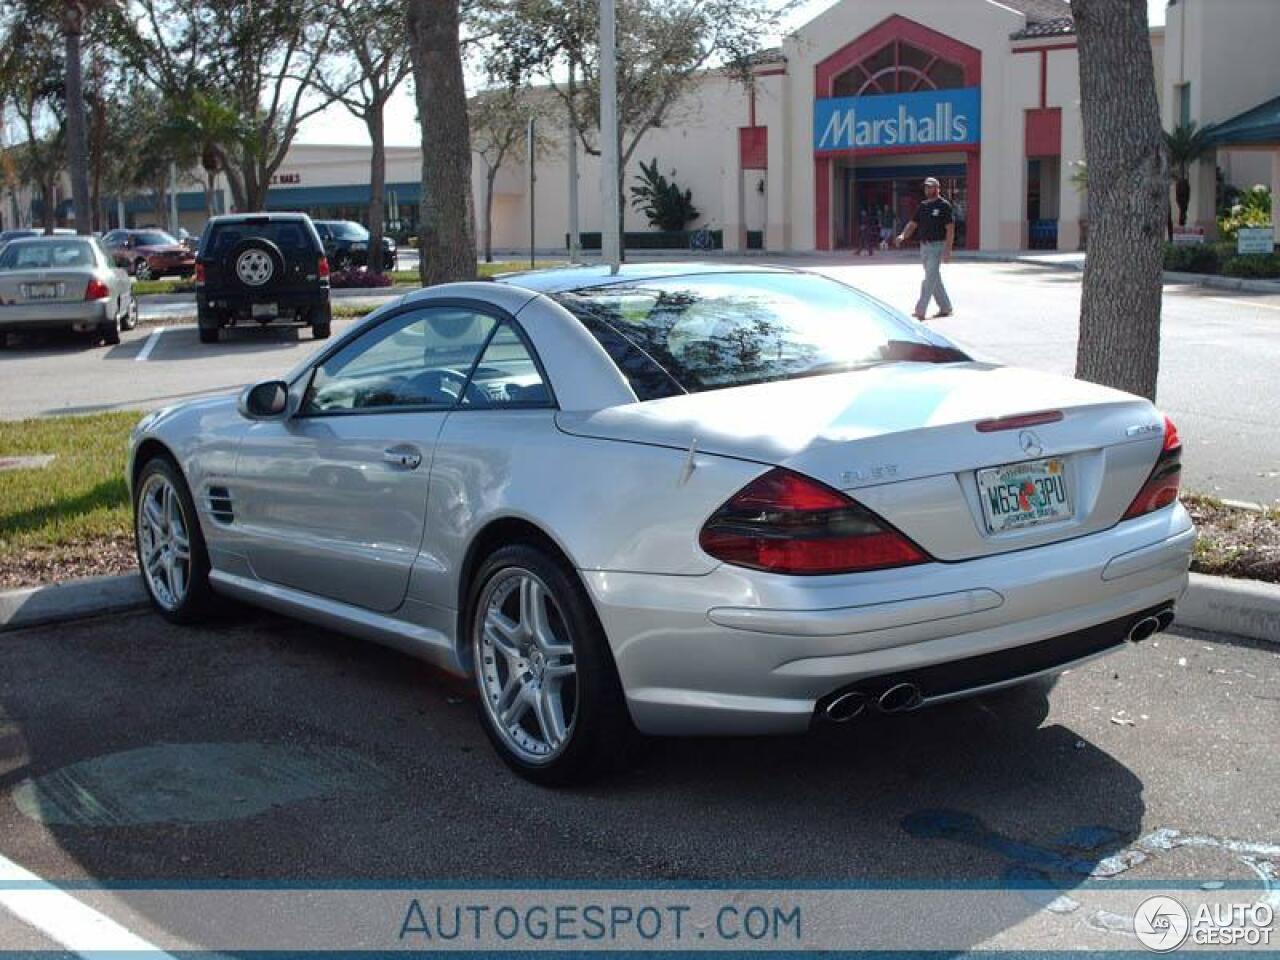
{"points": [[931, 182]]}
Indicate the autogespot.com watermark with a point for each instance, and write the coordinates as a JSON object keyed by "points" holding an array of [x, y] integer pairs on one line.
{"points": [[427, 923], [1163, 924]]}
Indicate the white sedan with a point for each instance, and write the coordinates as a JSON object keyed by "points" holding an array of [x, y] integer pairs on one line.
{"points": [[673, 500]]}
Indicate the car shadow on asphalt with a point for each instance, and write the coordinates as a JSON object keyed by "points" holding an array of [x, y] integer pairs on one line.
{"points": [[390, 778]]}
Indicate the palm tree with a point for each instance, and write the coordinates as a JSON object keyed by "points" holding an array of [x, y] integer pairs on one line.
{"points": [[1186, 144]]}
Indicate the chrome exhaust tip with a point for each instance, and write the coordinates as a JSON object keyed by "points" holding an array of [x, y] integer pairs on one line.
{"points": [[846, 707], [1165, 618], [1143, 629], [900, 697]]}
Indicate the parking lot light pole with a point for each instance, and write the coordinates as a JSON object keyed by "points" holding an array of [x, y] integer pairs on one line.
{"points": [[611, 247]]}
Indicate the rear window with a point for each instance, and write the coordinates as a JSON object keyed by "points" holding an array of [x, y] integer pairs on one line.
{"points": [[47, 255], [153, 238], [689, 334], [291, 236]]}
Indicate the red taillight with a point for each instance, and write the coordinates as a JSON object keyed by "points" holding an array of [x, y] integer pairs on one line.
{"points": [[96, 290], [322, 268], [199, 273], [1161, 488], [787, 523], [1019, 422]]}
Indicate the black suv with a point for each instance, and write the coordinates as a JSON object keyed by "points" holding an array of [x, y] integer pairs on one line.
{"points": [[346, 243], [259, 268]]}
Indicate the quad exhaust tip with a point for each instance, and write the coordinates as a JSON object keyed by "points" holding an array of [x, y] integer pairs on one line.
{"points": [[1149, 626], [900, 697], [846, 707]]}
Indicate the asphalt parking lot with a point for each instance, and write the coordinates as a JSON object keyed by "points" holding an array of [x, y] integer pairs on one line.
{"points": [[262, 749]]}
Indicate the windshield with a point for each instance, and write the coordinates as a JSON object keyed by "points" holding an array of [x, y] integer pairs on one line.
{"points": [[46, 255], [153, 238], [347, 230], [688, 334]]}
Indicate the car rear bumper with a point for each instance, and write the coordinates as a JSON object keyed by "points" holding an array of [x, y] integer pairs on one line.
{"points": [[238, 306], [742, 652], [74, 314]]}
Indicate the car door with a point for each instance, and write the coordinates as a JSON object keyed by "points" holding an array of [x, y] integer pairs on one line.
{"points": [[332, 500]]}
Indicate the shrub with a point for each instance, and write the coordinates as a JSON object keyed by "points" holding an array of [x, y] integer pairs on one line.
{"points": [[1201, 258], [1263, 266], [666, 206], [358, 278], [1251, 209]]}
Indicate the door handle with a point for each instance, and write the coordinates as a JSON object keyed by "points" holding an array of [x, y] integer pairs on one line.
{"points": [[403, 455]]}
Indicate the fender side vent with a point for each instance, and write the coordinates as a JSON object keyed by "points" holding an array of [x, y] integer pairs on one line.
{"points": [[220, 506]]}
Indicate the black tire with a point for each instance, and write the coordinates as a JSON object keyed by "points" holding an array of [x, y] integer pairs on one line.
{"points": [[321, 329], [209, 334], [4, 340], [199, 598], [130, 318], [601, 735], [110, 332], [277, 273]]}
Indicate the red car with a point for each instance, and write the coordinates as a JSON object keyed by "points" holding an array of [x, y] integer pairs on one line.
{"points": [[150, 253]]}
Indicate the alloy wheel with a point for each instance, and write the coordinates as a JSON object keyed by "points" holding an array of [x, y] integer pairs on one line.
{"points": [[525, 665], [142, 270], [164, 542]]}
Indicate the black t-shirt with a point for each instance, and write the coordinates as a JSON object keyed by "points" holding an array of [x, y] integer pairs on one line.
{"points": [[932, 217]]}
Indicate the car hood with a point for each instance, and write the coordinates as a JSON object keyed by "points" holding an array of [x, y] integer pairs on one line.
{"points": [[917, 417]]}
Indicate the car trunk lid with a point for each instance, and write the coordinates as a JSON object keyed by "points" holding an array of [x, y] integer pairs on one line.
{"points": [[903, 440], [52, 285]]}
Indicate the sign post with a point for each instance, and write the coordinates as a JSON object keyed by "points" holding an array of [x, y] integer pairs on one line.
{"points": [[611, 239]]}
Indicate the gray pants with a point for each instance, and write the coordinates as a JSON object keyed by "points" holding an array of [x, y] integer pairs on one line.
{"points": [[932, 288]]}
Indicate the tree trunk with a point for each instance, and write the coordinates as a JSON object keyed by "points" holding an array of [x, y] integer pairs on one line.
{"points": [[1182, 194], [48, 192], [446, 235], [377, 186], [77, 142], [490, 176], [1128, 197]]}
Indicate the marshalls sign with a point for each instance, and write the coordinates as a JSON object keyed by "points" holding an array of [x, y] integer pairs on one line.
{"points": [[926, 119]]}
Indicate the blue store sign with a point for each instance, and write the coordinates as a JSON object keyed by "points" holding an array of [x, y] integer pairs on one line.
{"points": [[927, 118]]}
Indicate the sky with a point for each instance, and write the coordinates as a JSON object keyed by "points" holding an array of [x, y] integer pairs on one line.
{"points": [[336, 125]]}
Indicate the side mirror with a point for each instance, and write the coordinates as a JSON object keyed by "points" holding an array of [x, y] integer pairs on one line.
{"points": [[268, 400]]}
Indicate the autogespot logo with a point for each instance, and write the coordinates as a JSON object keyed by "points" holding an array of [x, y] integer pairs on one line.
{"points": [[1161, 923]]}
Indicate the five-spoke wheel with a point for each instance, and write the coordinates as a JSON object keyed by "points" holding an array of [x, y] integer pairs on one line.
{"points": [[171, 550], [550, 698]]}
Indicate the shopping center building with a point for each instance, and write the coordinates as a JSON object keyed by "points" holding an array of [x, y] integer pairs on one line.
{"points": [[841, 124]]}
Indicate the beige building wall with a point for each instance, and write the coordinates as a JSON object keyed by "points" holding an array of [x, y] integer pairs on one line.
{"points": [[1223, 54]]}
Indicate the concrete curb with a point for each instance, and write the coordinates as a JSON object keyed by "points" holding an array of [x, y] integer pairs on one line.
{"points": [[1212, 281], [72, 600], [1245, 608]]}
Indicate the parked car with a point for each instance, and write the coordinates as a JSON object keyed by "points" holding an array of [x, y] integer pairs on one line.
{"points": [[150, 253], [61, 283], [261, 268], [346, 244], [679, 499]]}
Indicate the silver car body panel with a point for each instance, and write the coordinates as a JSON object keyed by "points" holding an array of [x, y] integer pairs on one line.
{"points": [[322, 528]]}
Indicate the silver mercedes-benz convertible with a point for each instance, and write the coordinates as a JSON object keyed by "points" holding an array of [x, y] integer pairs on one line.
{"points": [[677, 499]]}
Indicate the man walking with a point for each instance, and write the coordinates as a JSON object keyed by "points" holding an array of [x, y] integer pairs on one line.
{"points": [[935, 223]]}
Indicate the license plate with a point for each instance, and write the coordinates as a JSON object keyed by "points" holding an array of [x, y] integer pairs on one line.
{"points": [[1022, 495], [265, 310], [42, 291]]}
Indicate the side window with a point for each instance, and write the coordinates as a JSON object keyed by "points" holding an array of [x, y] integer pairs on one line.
{"points": [[506, 375], [419, 359]]}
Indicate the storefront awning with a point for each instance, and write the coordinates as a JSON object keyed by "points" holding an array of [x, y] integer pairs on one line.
{"points": [[1257, 127]]}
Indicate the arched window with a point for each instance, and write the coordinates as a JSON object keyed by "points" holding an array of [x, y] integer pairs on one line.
{"points": [[898, 67]]}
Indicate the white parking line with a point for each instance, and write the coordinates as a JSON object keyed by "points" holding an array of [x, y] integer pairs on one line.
{"points": [[1246, 303], [150, 345], [64, 919]]}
